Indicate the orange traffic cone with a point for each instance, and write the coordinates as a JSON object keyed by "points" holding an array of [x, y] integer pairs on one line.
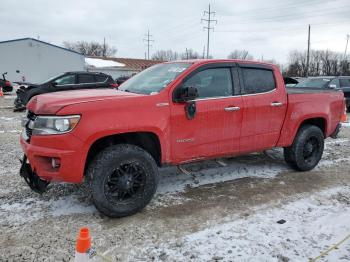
{"points": [[344, 117], [83, 245], [1, 93]]}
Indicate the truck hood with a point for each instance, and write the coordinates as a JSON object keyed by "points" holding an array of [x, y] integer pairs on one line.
{"points": [[51, 103]]}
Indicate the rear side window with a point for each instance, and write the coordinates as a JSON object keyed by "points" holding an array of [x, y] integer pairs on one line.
{"points": [[100, 78], [86, 79], [334, 83], [257, 80], [344, 82]]}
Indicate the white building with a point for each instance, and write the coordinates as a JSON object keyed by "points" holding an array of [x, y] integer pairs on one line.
{"points": [[36, 60], [117, 67]]}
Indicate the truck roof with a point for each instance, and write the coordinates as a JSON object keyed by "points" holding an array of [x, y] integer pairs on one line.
{"points": [[207, 61]]}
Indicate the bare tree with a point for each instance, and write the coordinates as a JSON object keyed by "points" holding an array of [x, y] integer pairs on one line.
{"points": [[240, 54], [322, 62], [190, 54], [91, 48], [165, 55]]}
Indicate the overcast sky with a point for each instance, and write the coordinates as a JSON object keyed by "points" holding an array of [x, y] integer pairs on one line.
{"points": [[268, 28]]}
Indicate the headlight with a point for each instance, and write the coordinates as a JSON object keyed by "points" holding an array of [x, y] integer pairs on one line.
{"points": [[52, 125]]}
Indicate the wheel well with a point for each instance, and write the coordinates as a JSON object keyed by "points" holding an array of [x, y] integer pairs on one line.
{"points": [[319, 122], [146, 140]]}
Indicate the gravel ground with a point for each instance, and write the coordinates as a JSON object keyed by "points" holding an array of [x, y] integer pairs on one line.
{"points": [[180, 224]]}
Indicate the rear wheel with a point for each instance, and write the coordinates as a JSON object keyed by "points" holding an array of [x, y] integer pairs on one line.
{"points": [[306, 150], [123, 179]]}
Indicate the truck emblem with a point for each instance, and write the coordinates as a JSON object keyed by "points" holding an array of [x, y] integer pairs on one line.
{"points": [[185, 140]]}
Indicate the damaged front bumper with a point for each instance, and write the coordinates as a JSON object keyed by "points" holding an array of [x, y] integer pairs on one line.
{"points": [[32, 179], [18, 105]]}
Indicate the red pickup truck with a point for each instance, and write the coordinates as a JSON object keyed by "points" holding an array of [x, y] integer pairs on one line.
{"points": [[170, 114]]}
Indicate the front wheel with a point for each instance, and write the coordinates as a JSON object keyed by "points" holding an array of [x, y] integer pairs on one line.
{"points": [[123, 179], [306, 150]]}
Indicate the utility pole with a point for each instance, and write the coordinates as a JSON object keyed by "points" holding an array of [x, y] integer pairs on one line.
{"points": [[203, 52], [208, 13], [346, 46], [186, 54], [148, 40], [308, 53], [104, 47]]}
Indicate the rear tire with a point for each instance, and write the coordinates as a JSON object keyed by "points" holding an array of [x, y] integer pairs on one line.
{"points": [[123, 179], [306, 150]]}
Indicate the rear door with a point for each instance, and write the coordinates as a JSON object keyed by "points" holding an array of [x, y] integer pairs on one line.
{"points": [[103, 80], [86, 81], [216, 126], [264, 104]]}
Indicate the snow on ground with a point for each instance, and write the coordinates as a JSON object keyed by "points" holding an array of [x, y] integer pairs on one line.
{"points": [[346, 124], [312, 225], [252, 165], [10, 97], [34, 209], [97, 62], [172, 181]]}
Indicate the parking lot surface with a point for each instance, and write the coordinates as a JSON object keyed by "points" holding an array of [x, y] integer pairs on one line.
{"points": [[249, 207]]}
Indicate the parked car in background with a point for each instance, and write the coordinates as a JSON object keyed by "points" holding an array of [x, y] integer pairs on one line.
{"points": [[121, 79], [329, 82], [292, 81], [5, 84], [63, 82]]}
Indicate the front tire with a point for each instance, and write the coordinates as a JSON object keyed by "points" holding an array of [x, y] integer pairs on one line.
{"points": [[123, 179], [306, 150]]}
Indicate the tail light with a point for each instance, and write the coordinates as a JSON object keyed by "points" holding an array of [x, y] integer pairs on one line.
{"points": [[114, 85], [7, 83]]}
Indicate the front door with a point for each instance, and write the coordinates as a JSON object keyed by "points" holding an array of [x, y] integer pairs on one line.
{"points": [[216, 126]]}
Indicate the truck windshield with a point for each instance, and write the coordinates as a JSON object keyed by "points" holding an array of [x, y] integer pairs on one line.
{"points": [[154, 79], [314, 83]]}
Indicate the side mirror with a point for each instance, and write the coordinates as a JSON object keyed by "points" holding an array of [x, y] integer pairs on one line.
{"points": [[333, 86], [53, 84], [185, 93]]}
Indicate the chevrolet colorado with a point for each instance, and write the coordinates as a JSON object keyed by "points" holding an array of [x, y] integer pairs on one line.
{"points": [[170, 114]]}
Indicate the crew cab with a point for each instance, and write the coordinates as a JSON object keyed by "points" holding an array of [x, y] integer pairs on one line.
{"points": [[170, 114]]}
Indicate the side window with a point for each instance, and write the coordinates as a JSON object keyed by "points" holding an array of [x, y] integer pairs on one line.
{"points": [[257, 80], [344, 82], [65, 80], [212, 82], [100, 78], [85, 79], [334, 83]]}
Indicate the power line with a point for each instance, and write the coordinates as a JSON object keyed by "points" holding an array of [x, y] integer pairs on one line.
{"points": [[290, 17], [148, 40], [209, 13]]}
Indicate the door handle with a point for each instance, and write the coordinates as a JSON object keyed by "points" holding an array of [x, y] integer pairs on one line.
{"points": [[276, 104], [232, 108]]}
